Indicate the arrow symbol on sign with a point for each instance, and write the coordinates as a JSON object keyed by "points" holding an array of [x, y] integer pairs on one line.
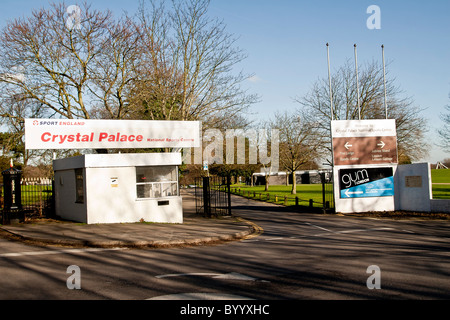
{"points": [[381, 144], [348, 193], [347, 145]]}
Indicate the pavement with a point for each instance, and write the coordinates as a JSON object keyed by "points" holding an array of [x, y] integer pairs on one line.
{"points": [[195, 230]]}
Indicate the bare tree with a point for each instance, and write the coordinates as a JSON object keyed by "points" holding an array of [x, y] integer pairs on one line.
{"points": [[444, 132], [14, 110], [300, 142], [55, 60], [193, 59], [411, 127]]}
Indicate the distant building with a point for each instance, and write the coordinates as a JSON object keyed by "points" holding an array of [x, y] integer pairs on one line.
{"points": [[282, 178]]}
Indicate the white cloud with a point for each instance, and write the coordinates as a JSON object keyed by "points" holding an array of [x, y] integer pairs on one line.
{"points": [[254, 79]]}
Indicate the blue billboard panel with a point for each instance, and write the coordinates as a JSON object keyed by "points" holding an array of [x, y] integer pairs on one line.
{"points": [[366, 182]]}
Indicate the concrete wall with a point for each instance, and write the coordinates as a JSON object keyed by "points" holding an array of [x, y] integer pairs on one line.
{"points": [[440, 205], [413, 188]]}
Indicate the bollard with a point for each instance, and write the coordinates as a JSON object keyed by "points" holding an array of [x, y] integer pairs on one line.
{"points": [[296, 201], [268, 196], [310, 203]]}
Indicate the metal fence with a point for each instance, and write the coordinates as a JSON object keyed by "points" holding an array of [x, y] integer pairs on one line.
{"points": [[212, 196], [327, 192], [300, 202], [36, 200]]}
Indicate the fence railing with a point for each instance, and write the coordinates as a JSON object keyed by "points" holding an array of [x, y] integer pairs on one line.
{"points": [[212, 196], [36, 200], [326, 203], [37, 195]]}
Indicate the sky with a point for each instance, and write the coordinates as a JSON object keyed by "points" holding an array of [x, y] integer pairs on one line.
{"points": [[285, 42]]}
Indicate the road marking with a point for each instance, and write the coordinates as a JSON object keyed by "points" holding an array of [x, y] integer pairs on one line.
{"points": [[301, 237], [271, 239], [362, 230], [38, 253], [313, 225], [200, 296], [187, 275], [227, 276]]}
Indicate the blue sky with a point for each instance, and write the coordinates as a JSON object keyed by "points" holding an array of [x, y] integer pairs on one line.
{"points": [[285, 43]]}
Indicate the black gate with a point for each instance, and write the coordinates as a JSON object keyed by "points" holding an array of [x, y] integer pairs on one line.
{"points": [[32, 197], [213, 196], [327, 191]]}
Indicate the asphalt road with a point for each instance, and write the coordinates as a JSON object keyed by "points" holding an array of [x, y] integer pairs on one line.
{"points": [[297, 256]]}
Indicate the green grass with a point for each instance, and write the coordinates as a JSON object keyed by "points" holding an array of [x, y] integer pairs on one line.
{"points": [[441, 191], [440, 176], [277, 194]]}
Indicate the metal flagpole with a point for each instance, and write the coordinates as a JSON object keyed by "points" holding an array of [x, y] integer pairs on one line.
{"points": [[357, 82], [384, 78], [331, 131], [329, 81]]}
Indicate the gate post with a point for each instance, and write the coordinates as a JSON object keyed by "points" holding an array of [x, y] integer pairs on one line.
{"points": [[12, 208], [206, 197], [324, 204], [229, 194]]}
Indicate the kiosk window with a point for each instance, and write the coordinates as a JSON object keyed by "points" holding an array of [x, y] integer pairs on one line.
{"points": [[157, 181], [79, 186]]}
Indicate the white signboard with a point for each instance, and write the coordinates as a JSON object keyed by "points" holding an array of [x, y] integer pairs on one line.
{"points": [[110, 134], [365, 161]]}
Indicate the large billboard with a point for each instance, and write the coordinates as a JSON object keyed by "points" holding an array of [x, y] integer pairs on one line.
{"points": [[366, 182], [110, 134]]}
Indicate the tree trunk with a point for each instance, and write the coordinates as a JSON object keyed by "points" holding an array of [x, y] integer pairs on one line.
{"points": [[294, 183]]}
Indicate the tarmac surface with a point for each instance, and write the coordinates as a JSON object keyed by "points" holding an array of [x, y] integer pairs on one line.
{"points": [[195, 230]]}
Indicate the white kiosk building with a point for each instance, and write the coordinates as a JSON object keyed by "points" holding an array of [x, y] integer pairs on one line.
{"points": [[118, 188], [115, 188]]}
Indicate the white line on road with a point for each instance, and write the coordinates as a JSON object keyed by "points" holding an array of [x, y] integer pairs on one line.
{"points": [[188, 274], [320, 234], [38, 253], [271, 239], [313, 225], [362, 230], [227, 276]]}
